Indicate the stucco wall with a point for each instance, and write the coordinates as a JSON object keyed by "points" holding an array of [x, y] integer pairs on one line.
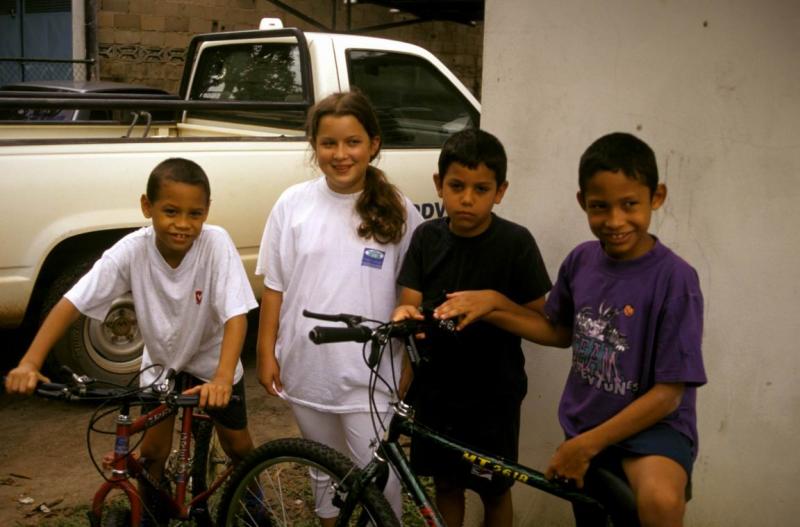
{"points": [[714, 87], [144, 41]]}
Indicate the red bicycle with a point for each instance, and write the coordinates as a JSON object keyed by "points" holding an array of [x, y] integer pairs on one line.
{"points": [[195, 470]]}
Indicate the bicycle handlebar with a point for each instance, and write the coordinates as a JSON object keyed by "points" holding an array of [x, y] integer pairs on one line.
{"points": [[81, 393], [324, 335], [358, 332]]}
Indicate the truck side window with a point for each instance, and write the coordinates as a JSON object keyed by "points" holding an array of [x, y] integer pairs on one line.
{"points": [[417, 106], [261, 72]]}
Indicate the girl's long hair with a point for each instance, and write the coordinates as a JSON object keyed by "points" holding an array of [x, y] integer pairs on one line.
{"points": [[380, 205]]}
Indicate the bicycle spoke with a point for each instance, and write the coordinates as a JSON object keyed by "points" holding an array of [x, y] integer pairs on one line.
{"points": [[290, 490]]}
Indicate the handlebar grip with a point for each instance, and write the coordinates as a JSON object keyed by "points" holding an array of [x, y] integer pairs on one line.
{"points": [[324, 335]]}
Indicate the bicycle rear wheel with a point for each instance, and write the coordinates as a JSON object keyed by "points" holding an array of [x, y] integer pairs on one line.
{"points": [[288, 482]]}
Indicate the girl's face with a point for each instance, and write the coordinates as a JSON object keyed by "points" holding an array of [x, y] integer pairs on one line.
{"points": [[343, 151], [178, 214]]}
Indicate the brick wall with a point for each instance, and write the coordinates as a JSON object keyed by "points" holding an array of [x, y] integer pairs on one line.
{"points": [[144, 41]]}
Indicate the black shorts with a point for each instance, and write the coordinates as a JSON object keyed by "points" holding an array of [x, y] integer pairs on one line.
{"points": [[233, 416], [491, 429]]}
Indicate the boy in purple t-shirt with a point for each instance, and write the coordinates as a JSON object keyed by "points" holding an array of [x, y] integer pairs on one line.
{"points": [[632, 311]]}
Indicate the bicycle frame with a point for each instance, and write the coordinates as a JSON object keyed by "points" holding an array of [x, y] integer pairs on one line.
{"points": [[124, 466], [390, 452]]}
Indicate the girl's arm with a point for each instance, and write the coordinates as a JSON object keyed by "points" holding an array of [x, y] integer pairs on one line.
{"points": [[269, 371], [572, 457], [527, 321], [26, 375]]}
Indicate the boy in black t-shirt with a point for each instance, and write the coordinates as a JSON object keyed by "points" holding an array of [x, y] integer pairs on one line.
{"points": [[473, 384]]}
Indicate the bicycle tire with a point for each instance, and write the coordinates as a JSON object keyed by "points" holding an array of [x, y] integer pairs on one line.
{"points": [[281, 470]]}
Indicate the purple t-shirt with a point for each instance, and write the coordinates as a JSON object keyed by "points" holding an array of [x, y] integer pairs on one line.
{"points": [[634, 323]]}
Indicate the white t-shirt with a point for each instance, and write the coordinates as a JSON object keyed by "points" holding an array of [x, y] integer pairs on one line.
{"points": [[312, 253], [180, 312]]}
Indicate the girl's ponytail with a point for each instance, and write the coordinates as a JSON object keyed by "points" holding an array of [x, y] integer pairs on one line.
{"points": [[382, 212]]}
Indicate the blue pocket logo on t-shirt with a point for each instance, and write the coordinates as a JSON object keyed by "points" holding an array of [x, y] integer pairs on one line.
{"points": [[373, 258]]}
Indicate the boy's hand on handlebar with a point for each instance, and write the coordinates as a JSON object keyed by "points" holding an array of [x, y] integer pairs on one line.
{"points": [[570, 462], [467, 306], [214, 394], [269, 374], [405, 312], [23, 379]]}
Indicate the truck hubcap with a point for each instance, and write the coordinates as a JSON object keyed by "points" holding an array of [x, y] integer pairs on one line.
{"points": [[115, 344]]}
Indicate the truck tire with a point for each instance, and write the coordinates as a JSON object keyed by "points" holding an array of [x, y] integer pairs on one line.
{"points": [[110, 350]]}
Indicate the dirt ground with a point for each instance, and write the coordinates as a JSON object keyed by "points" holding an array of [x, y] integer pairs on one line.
{"points": [[44, 458]]}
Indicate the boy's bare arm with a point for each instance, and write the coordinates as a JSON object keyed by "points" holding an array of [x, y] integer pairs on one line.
{"points": [[26, 375], [269, 371], [572, 457], [217, 392], [527, 321]]}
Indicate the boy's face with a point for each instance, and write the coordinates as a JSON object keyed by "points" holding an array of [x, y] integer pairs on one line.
{"points": [[178, 215], [619, 210], [468, 195]]}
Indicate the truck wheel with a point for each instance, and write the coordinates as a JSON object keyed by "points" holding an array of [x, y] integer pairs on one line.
{"points": [[110, 350]]}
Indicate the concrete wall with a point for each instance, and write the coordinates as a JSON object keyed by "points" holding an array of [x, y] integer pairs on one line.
{"points": [[144, 41], [714, 87]]}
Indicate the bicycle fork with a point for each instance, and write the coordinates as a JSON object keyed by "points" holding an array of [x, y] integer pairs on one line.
{"points": [[119, 474]]}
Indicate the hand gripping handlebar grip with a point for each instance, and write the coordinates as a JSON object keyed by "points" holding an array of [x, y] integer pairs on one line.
{"points": [[323, 335]]}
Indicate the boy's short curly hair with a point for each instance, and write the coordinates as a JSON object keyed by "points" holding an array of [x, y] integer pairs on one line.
{"points": [[619, 151], [472, 147], [178, 170]]}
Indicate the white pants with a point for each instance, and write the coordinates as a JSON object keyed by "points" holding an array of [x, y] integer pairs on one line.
{"points": [[350, 434]]}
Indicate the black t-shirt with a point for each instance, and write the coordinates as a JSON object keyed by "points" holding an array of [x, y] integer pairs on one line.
{"points": [[483, 364]]}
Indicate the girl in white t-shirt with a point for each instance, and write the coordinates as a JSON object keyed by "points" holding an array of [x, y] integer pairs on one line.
{"points": [[333, 245], [191, 295]]}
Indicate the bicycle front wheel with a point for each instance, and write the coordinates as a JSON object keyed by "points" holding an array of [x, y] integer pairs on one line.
{"points": [[295, 482]]}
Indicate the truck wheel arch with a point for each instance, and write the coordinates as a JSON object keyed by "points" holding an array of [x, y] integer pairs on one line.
{"points": [[86, 347]]}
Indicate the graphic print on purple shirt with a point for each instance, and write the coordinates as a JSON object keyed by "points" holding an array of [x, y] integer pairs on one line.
{"points": [[597, 345]]}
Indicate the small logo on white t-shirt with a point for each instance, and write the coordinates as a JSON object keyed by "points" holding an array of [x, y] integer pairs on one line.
{"points": [[373, 258], [198, 296]]}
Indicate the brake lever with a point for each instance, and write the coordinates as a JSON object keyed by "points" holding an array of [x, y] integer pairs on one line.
{"points": [[350, 320], [81, 382]]}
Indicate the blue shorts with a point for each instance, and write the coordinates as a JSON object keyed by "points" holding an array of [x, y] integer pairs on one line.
{"points": [[659, 440]]}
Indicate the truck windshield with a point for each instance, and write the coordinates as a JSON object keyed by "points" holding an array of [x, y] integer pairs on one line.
{"points": [[256, 72], [417, 106]]}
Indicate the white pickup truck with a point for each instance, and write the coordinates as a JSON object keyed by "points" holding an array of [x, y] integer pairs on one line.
{"points": [[69, 191]]}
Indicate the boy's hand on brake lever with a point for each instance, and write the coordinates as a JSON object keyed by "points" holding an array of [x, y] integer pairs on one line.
{"points": [[23, 379], [214, 394], [467, 306]]}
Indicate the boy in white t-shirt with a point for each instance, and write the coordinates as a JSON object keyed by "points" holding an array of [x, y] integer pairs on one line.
{"points": [[191, 295]]}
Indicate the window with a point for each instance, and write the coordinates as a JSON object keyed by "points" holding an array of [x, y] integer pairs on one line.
{"points": [[417, 106], [263, 72]]}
